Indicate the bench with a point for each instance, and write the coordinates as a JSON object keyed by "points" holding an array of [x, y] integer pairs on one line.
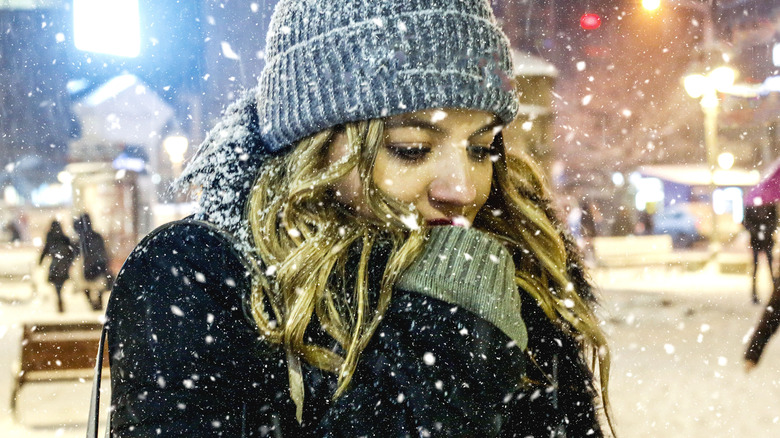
{"points": [[646, 250], [17, 262], [57, 352], [737, 263]]}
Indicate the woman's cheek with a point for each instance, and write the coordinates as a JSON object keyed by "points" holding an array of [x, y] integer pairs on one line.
{"points": [[401, 184], [348, 190]]}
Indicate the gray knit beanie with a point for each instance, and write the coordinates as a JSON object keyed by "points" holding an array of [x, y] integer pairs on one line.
{"points": [[335, 61]]}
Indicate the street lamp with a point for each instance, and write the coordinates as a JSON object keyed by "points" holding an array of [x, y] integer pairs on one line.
{"points": [[726, 160], [651, 5], [176, 147], [706, 88], [701, 7]]}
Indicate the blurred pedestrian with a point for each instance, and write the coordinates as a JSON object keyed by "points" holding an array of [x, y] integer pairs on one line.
{"points": [[624, 223], [588, 225], [62, 252], [589, 218], [644, 225], [367, 260], [14, 235], [761, 222], [94, 256], [766, 328]]}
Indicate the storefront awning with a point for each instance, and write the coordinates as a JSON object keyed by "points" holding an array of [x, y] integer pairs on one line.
{"points": [[769, 188], [699, 175]]}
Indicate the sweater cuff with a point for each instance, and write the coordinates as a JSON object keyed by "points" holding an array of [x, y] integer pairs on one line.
{"points": [[468, 268]]}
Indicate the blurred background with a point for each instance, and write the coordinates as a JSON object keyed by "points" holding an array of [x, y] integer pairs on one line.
{"points": [[103, 102], [655, 122]]}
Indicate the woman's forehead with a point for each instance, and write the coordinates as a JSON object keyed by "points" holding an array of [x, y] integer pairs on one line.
{"points": [[435, 116]]}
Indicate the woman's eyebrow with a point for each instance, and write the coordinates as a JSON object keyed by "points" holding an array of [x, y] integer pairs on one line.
{"points": [[412, 122], [489, 127]]}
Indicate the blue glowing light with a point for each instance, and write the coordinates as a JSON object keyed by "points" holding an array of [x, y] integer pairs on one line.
{"points": [[110, 27]]}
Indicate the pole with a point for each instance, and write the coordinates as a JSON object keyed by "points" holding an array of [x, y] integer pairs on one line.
{"points": [[177, 167], [705, 8], [709, 104]]}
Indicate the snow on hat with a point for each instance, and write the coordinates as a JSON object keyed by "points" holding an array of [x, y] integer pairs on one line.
{"points": [[334, 61]]}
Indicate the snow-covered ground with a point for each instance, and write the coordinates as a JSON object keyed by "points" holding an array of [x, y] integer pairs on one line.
{"points": [[677, 339], [677, 345], [43, 409]]}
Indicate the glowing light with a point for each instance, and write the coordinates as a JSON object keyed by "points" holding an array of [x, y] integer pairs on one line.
{"points": [[726, 160], [590, 21], [720, 79], [65, 177], [109, 27], [648, 191], [723, 77], [651, 5], [10, 195], [695, 85], [176, 147], [728, 200]]}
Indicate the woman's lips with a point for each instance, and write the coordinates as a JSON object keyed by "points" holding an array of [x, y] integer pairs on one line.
{"points": [[440, 221], [457, 221]]}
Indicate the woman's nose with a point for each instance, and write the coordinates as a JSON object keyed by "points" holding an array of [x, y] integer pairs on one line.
{"points": [[453, 187]]}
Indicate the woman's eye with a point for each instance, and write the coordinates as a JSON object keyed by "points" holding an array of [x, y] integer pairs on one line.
{"points": [[481, 153], [408, 152]]}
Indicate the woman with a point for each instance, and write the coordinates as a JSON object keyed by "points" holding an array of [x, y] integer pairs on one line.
{"points": [[367, 261], [98, 279], [761, 222], [763, 332], [62, 252]]}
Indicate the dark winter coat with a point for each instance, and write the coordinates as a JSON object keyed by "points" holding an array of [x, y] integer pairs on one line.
{"points": [[761, 223], [62, 252], [186, 360], [92, 248]]}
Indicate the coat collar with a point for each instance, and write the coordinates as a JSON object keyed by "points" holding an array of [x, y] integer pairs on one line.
{"points": [[221, 173]]}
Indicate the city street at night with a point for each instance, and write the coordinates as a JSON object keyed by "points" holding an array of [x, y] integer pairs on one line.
{"points": [[383, 218]]}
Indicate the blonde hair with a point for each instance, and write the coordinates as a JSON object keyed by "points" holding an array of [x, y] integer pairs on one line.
{"points": [[303, 237]]}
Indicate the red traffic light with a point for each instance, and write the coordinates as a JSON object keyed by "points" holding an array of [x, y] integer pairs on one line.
{"points": [[590, 21]]}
